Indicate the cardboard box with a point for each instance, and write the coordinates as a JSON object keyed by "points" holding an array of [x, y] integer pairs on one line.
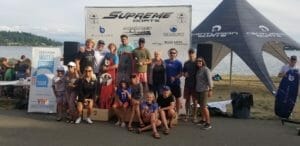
{"points": [[99, 114]]}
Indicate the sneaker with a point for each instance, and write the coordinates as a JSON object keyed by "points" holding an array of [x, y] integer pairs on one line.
{"points": [[201, 123], [78, 120], [206, 126], [123, 125], [88, 120], [118, 123]]}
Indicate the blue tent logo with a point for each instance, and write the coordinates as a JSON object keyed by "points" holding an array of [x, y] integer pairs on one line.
{"points": [[42, 81], [101, 29], [173, 28]]}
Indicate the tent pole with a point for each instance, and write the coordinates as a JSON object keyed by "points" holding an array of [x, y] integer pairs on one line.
{"points": [[230, 74]]}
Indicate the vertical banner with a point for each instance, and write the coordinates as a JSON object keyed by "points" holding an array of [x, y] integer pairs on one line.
{"points": [[44, 64], [163, 27]]}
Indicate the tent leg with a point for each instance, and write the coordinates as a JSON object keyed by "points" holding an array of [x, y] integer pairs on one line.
{"points": [[230, 73]]}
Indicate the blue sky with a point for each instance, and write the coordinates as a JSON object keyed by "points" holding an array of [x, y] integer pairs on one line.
{"points": [[64, 19]]}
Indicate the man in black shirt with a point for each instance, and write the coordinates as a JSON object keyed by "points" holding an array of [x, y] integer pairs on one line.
{"points": [[86, 58], [166, 103]]}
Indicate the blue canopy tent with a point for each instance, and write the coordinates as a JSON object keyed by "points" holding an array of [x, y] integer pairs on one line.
{"points": [[236, 26]]}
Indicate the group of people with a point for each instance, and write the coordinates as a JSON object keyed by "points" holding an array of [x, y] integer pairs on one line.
{"points": [[128, 80], [13, 70]]}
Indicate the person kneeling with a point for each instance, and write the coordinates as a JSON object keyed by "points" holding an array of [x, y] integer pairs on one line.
{"points": [[121, 103], [166, 103], [149, 113]]}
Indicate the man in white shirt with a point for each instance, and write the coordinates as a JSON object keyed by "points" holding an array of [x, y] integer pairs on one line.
{"points": [[100, 53], [287, 67]]}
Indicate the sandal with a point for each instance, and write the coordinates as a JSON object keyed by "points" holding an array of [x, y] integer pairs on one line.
{"points": [[138, 131], [142, 125], [166, 131], [130, 128], [156, 135]]}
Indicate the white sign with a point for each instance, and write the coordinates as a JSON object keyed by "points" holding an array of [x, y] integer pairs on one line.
{"points": [[44, 64], [163, 27]]}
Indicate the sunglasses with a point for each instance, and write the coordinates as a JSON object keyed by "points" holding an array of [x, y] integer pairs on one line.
{"points": [[173, 53], [88, 70]]}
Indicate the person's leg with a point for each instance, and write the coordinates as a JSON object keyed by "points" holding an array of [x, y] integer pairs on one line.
{"points": [[115, 107], [171, 116], [164, 119], [90, 107], [123, 113], [205, 109], [155, 123], [134, 104], [187, 103], [138, 112], [79, 110], [195, 108]]}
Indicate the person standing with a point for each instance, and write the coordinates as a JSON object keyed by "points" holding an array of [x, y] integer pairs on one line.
{"points": [[71, 78], [157, 74], [204, 85], [58, 86], [173, 73], [291, 65], [125, 55], [86, 58], [189, 72], [86, 87], [100, 53], [142, 58], [108, 77]]}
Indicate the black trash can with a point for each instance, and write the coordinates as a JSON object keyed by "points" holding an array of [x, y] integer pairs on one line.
{"points": [[241, 104]]}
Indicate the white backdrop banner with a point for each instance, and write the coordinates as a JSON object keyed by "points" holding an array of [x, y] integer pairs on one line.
{"points": [[44, 64], [163, 27]]}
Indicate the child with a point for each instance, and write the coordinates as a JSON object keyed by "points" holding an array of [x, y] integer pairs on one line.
{"points": [[122, 102], [58, 86], [149, 113], [166, 103], [137, 95]]}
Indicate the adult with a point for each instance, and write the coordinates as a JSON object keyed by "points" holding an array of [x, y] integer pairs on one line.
{"points": [[86, 87], [71, 78], [86, 58], [100, 53], [142, 58], [173, 73], [3, 67], [125, 55], [157, 74], [108, 78], [291, 65], [137, 94], [189, 72], [149, 113], [166, 103], [204, 85]]}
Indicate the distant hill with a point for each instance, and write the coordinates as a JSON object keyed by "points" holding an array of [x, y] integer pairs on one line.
{"points": [[9, 38]]}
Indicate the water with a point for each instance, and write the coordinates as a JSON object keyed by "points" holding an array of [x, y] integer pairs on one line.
{"points": [[239, 67]]}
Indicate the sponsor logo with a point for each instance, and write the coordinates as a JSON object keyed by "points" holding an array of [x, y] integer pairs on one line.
{"points": [[138, 30], [101, 29], [176, 42], [93, 18], [265, 32], [181, 18], [173, 32], [216, 32], [173, 28], [139, 16]]}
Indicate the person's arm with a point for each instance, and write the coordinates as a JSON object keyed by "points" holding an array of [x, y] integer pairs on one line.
{"points": [[141, 90], [209, 79], [148, 60], [282, 72], [172, 106], [179, 71], [53, 86]]}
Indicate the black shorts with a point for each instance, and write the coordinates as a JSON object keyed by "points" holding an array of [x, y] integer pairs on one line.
{"points": [[176, 91]]}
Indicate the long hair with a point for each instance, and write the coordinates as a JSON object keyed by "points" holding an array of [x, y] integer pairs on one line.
{"points": [[112, 45], [90, 41], [201, 59]]}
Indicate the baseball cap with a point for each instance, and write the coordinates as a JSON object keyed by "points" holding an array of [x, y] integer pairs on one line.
{"points": [[60, 68], [165, 88], [71, 63], [293, 57], [101, 42], [142, 40]]}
